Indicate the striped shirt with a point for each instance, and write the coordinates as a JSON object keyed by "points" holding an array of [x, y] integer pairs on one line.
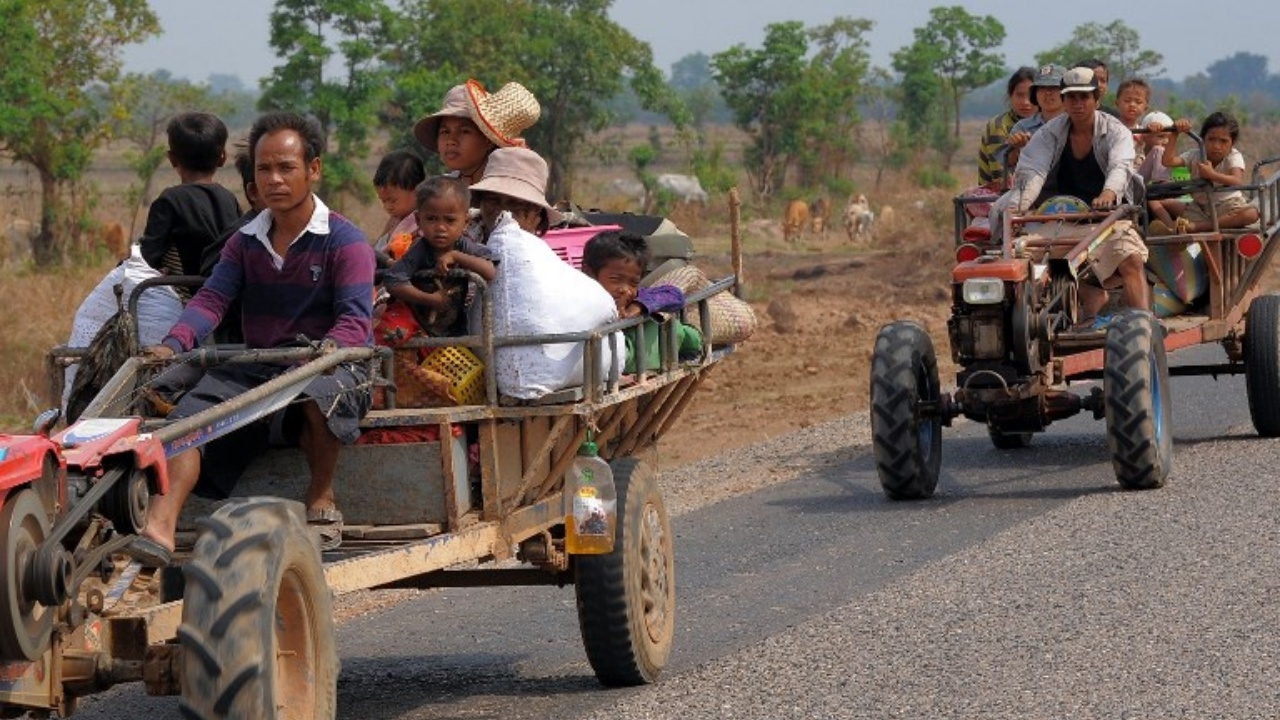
{"points": [[990, 168], [321, 288]]}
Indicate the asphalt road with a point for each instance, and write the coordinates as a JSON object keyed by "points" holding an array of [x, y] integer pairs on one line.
{"points": [[1031, 586]]}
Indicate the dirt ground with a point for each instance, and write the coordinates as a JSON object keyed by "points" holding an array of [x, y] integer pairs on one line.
{"points": [[820, 303]]}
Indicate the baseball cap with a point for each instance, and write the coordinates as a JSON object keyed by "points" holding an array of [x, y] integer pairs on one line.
{"points": [[1079, 80], [1048, 76]]}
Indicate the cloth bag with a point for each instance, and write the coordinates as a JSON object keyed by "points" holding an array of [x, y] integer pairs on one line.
{"points": [[537, 293]]}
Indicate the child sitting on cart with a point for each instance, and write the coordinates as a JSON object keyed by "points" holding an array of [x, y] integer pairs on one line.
{"points": [[1223, 166], [442, 206], [617, 261]]}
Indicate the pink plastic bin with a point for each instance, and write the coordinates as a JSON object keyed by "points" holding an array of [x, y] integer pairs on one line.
{"points": [[569, 242]]}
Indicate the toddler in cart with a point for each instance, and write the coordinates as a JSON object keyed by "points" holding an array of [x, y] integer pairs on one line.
{"points": [[438, 303]]}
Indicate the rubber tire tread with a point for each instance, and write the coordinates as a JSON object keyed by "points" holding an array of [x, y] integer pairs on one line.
{"points": [[1141, 460], [229, 612], [1262, 364], [611, 614], [905, 472]]}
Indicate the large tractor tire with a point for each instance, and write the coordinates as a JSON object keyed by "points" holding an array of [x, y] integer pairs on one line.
{"points": [[1139, 408], [906, 442], [257, 618], [1262, 364], [627, 598]]}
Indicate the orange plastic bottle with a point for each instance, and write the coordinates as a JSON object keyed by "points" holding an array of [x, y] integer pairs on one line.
{"points": [[590, 504]]}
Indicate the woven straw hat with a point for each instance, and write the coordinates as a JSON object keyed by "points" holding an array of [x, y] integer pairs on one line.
{"points": [[520, 173], [503, 115], [455, 105]]}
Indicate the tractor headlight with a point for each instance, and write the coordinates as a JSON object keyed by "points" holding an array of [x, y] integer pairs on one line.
{"points": [[983, 291]]}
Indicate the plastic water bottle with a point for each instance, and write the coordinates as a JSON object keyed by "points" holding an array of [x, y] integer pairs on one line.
{"points": [[590, 504]]}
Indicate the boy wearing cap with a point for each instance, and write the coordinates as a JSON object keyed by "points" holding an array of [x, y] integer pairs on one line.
{"points": [[1087, 154], [1046, 95]]}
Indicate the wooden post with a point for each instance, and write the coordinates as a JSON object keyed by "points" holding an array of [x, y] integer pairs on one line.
{"points": [[735, 239]]}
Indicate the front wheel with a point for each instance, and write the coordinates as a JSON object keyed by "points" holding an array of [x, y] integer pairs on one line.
{"points": [[1262, 364], [627, 598], [1139, 408], [906, 436], [257, 618]]}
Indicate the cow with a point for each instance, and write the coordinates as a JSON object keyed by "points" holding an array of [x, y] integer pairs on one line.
{"points": [[17, 241], [819, 211], [795, 220], [114, 241], [886, 217], [630, 190], [684, 188], [858, 218]]}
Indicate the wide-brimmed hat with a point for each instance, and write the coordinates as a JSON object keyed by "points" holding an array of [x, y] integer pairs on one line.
{"points": [[502, 116], [519, 173], [1079, 80], [455, 105]]}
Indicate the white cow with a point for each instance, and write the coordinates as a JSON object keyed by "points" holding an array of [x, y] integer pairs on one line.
{"points": [[684, 188], [858, 219], [630, 190]]}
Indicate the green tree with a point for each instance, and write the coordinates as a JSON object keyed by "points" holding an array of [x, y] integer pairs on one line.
{"points": [[567, 52], [55, 52], [956, 47], [312, 36], [799, 110], [145, 103], [1116, 44], [693, 81]]}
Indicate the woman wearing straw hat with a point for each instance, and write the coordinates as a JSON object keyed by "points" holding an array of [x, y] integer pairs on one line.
{"points": [[474, 123]]}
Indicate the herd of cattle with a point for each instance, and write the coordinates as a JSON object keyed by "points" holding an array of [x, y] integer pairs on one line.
{"points": [[857, 219]]}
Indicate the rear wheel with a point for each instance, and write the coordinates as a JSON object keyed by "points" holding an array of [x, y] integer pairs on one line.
{"points": [[257, 619], [1262, 364], [906, 440], [627, 598], [1139, 409]]}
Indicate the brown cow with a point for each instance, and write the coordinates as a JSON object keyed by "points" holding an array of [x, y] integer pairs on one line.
{"points": [[114, 241], [819, 212], [797, 217]]}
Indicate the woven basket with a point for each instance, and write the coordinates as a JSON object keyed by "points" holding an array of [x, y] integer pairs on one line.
{"points": [[448, 376]]}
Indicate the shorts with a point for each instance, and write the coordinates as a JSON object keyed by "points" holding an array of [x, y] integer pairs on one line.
{"points": [[343, 397], [1197, 213], [1123, 242]]}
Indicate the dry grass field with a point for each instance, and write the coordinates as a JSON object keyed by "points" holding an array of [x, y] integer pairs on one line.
{"points": [[820, 300]]}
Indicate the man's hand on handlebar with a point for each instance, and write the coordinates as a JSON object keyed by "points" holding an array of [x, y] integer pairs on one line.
{"points": [[1105, 201], [157, 353]]}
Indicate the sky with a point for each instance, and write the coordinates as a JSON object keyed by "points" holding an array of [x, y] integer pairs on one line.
{"points": [[231, 36]]}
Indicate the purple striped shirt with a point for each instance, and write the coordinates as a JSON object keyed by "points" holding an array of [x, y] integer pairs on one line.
{"points": [[324, 289]]}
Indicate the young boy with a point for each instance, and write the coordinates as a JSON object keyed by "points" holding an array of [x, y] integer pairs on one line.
{"points": [[442, 206], [1132, 98], [617, 261], [399, 173], [1224, 167], [187, 218]]}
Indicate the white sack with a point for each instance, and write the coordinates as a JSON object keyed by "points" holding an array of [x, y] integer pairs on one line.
{"points": [[537, 293]]}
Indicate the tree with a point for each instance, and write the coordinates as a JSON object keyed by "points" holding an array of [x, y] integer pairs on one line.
{"points": [[1242, 74], [567, 52], [956, 47], [145, 104], [1116, 44], [311, 35], [798, 110], [54, 52], [693, 81]]}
